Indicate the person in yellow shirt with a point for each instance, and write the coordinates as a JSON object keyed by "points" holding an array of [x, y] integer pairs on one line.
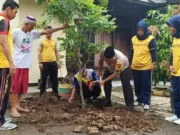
{"points": [[49, 62], [90, 86], [174, 24], [142, 60], [7, 68]]}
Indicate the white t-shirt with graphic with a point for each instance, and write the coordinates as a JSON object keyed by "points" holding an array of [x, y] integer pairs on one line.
{"points": [[22, 53]]}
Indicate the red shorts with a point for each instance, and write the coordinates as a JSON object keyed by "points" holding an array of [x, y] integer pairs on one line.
{"points": [[20, 81]]}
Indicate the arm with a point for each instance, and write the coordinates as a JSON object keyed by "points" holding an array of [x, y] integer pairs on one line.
{"points": [[110, 77], [131, 54], [118, 70], [57, 56], [95, 79], [95, 76], [4, 26], [40, 54], [73, 93], [100, 64], [5, 47], [40, 58], [76, 84], [171, 59], [50, 31], [152, 48], [171, 63]]}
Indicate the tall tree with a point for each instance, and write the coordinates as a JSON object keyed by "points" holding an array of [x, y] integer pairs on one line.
{"points": [[85, 19]]}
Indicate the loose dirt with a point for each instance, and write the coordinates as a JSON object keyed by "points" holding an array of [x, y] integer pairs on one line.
{"points": [[50, 110]]}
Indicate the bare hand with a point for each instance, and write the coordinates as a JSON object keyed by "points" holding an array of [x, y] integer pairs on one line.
{"points": [[65, 25], [153, 67], [91, 86], [172, 69], [70, 100], [102, 83], [58, 65], [41, 66], [130, 66], [12, 69]]}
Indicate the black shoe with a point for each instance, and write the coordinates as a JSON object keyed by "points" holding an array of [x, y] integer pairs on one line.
{"points": [[56, 95], [94, 98], [107, 103], [130, 106], [89, 101]]}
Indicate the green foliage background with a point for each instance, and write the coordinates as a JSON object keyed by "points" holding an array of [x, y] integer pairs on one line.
{"points": [[164, 41], [91, 19]]}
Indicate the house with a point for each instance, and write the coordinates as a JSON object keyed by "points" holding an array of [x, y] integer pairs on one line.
{"points": [[127, 13], [29, 7]]}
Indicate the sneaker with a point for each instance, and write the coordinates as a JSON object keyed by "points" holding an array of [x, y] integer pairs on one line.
{"points": [[177, 121], [137, 103], [172, 118], [8, 120], [7, 126], [146, 107]]}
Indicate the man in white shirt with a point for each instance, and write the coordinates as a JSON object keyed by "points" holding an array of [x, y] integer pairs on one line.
{"points": [[117, 64], [22, 56]]}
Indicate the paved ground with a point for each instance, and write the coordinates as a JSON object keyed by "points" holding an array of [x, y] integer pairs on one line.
{"points": [[160, 106]]}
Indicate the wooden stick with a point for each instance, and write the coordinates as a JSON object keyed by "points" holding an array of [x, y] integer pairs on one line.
{"points": [[102, 94]]}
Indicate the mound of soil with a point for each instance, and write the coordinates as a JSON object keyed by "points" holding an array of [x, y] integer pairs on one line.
{"points": [[50, 110]]}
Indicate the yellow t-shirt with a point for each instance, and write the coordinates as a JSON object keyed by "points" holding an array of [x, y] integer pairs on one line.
{"points": [[142, 59], [176, 56], [48, 50], [5, 29]]}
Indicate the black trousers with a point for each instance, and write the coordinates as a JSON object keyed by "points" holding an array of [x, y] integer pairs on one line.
{"points": [[51, 69], [5, 83], [87, 93], [142, 83], [127, 88]]}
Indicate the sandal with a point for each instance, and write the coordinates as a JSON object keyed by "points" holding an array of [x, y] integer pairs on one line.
{"points": [[15, 115]]}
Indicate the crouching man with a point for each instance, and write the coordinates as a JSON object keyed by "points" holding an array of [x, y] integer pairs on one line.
{"points": [[90, 85], [117, 64]]}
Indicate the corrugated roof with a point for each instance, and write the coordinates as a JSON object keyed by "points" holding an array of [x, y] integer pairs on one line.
{"points": [[155, 2], [152, 1]]}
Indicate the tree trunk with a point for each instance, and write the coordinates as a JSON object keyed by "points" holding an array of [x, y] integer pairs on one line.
{"points": [[81, 90], [72, 69]]}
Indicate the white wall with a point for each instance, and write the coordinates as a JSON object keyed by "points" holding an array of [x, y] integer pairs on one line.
{"points": [[15, 21], [29, 7]]}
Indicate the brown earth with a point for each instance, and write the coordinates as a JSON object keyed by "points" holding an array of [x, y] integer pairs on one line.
{"points": [[49, 111]]}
